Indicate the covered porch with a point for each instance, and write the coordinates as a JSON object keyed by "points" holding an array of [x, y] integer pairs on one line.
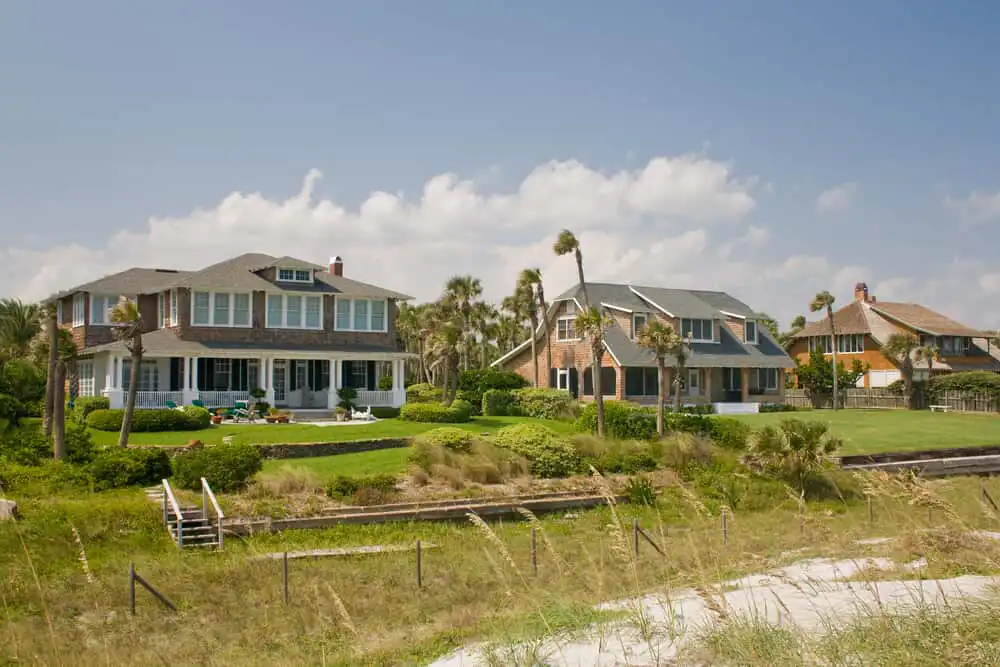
{"points": [[708, 385]]}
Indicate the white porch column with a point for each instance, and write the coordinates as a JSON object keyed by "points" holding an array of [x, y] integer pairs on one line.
{"points": [[333, 394], [267, 379], [114, 385], [189, 395], [398, 390], [194, 378]]}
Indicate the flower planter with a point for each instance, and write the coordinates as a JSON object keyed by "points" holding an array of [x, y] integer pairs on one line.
{"points": [[216, 419], [276, 419]]}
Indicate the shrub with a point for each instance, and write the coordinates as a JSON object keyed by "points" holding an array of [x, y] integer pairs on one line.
{"points": [[484, 463], [25, 444], [730, 433], [640, 491], [51, 477], [449, 437], [423, 393], [545, 403], [84, 405], [779, 407], [343, 487], [689, 423], [499, 403], [227, 468], [464, 408], [682, 451], [347, 398], [146, 421], [433, 413], [200, 417], [117, 468], [385, 383], [703, 409], [970, 382], [385, 413], [79, 446], [794, 448], [547, 454], [473, 384], [614, 456], [624, 420]]}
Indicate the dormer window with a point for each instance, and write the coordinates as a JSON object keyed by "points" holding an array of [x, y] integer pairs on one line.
{"points": [[639, 321], [700, 331], [295, 275], [750, 332]]}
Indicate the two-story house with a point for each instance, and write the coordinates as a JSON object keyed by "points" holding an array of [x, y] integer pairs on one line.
{"points": [[733, 360], [297, 330], [865, 324]]}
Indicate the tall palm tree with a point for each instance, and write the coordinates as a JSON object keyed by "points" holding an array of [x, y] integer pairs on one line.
{"points": [[927, 354], [660, 339], [66, 351], [52, 335], [510, 332], [462, 291], [567, 243], [534, 278], [899, 349], [20, 323], [483, 318], [128, 328], [591, 325], [522, 303], [824, 301], [798, 323], [407, 324], [445, 345], [680, 349]]}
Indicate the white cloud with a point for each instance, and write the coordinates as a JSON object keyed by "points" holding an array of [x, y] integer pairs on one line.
{"points": [[677, 221], [977, 207], [837, 199]]}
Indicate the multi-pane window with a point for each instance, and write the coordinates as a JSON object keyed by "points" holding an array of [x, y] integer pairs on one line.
{"points": [[79, 310], [694, 381], [59, 311], [101, 306], [359, 374], [821, 343], [149, 375], [638, 323], [750, 331], [85, 376], [850, 343], [222, 375], [699, 330], [162, 310], [291, 311], [566, 328], [295, 275], [173, 307], [767, 379], [220, 309], [360, 315]]}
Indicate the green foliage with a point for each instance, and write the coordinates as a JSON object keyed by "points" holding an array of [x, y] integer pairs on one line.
{"points": [[794, 448], [499, 403], [148, 421], [464, 408], [343, 487], [473, 384], [970, 382], [703, 409], [200, 417], [433, 413], [547, 454], [615, 456], [624, 420], [11, 409], [227, 468], [26, 444], [49, 478], [385, 383], [777, 407], [118, 468], [22, 380], [730, 433], [640, 491], [79, 445], [385, 412], [449, 437], [545, 403], [682, 451], [348, 398], [423, 392], [816, 376], [84, 405]]}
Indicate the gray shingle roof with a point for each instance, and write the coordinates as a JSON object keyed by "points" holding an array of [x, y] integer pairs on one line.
{"points": [[729, 353], [130, 282], [287, 262]]}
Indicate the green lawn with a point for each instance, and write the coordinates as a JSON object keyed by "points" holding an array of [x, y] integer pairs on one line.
{"points": [[261, 434], [388, 461], [876, 431]]}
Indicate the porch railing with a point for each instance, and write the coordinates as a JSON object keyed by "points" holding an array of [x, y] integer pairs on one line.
{"points": [[149, 400], [222, 399], [374, 398]]}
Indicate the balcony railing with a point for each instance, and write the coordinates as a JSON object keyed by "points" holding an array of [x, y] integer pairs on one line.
{"points": [[222, 399], [375, 399], [152, 400]]}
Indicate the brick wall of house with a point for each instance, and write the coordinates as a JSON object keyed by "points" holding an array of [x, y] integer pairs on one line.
{"points": [[736, 325], [872, 355]]}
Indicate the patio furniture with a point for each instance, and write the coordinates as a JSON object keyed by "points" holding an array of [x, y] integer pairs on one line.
{"points": [[199, 404], [241, 411], [363, 416], [173, 406]]}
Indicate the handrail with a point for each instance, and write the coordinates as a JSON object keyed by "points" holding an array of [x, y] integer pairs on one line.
{"points": [[206, 492], [169, 494]]}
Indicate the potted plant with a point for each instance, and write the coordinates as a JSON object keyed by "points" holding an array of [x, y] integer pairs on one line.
{"points": [[348, 399], [340, 414], [217, 417], [272, 415], [255, 395]]}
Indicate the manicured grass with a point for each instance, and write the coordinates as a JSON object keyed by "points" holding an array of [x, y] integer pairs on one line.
{"points": [[876, 431], [381, 461], [260, 434]]}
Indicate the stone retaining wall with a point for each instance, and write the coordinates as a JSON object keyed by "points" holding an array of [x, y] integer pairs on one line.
{"points": [[298, 451]]}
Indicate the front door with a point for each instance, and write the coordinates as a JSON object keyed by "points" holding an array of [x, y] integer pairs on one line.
{"points": [[279, 381]]}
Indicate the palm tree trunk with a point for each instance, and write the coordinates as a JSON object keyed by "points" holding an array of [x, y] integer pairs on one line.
{"points": [[583, 285], [133, 390], [545, 320], [679, 369], [833, 348], [59, 413], [598, 393], [534, 351], [424, 372], [661, 393], [52, 331]]}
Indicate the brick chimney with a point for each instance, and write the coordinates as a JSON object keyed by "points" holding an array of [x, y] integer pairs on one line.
{"points": [[336, 266], [861, 293]]}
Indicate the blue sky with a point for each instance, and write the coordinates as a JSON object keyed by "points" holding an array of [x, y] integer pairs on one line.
{"points": [[117, 114]]}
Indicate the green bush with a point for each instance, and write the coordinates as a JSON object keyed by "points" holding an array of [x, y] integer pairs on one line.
{"points": [[25, 444], [689, 423], [433, 413], [347, 398], [624, 420], [423, 393], [200, 417], [703, 409], [499, 403], [385, 413], [79, 446], [473, 384], [545, 403], [970, 382], [464, 408], [614, 456], [117, 468], [343, 487], [640, 491], [84, 405], [147, 421], [49, 478], [547, 454], [779, 407], [730, 433], [227, 468], [449, 437], [385, 383]]}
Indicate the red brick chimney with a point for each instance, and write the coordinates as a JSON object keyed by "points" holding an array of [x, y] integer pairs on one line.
{"points": [[861, 293], [336, 266]]}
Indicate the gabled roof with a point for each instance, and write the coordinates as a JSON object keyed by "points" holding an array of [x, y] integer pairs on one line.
{"points": [[881, 320], [287, 262], [131, 281], [924, 319], [851, 319]]}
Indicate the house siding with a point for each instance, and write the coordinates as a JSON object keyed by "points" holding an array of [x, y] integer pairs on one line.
{"points": [[872, 356]]}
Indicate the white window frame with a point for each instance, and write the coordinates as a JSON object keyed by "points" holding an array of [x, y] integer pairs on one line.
{"points": [[229, 310], [814, 344], [297, 276], [174, 309], [59, 313], [109, 301], [162, 317], [755, 340], [283, 324], [79, 310], [562, 379], [352, 300], [710, 339], [763, 376], [572, 322], [85, 378], [636, 329], [850, 343]]}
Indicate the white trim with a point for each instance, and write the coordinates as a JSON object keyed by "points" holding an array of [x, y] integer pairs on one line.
{"points": [[284, 311], [514, 352], [230, 310], [294, 278], [538, 332], [692, 339], [756, 332], [650, 301], [612, 353], [350, 314], [614, 307], [569, 318], [736, 315]]}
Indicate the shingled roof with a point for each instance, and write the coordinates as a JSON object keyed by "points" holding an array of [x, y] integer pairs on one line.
{"points": [[882, 319], [131, 282]]}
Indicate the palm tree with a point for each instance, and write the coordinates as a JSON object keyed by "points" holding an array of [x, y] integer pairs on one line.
{"points": [[899, 349], [591, 324], [445, 345], [510, 332], [52, 334], [483, 319], [522, 304], [680, 349], [20, 323], [407, 324], [66, 351], [566, 244], [534, 278], [798, 323], [660, 339], [786, 338], [824, 301], [462, 291], [128, 329], [927, 354]]}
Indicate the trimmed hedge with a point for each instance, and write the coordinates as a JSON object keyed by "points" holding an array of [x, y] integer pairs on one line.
{"points": [[434, 413], [84, 405], [227, 468], [730, 433], [385, 413], [970, 382], [545, 403], [423, 392], [151, 421], [118, 468], [449, 437], [473, 384], [548, 455], [626, 420], [345, 487], [499, 403]]}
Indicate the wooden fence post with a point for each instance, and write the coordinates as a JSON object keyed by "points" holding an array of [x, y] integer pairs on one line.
{"points": [[534, 552], [635, 538], [725, 527], [131, 588], [420, 577], [284, 576]]}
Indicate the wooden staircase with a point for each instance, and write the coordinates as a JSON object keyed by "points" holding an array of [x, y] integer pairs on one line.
{"points": [[190, 525]]}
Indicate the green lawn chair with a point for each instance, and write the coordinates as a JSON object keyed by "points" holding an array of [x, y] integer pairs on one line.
{"points": [[241, 411], [199, 404], [173, 406]]}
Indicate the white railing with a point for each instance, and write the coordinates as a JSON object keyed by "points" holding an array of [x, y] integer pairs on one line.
{"points": [[378, 399], [222, 399], [207, 496], [168, 496], [151, 400]]}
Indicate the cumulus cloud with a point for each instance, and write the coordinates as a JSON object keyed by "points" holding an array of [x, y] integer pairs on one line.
{"points": [[977, 207], [837, 199], [676, 221]]}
